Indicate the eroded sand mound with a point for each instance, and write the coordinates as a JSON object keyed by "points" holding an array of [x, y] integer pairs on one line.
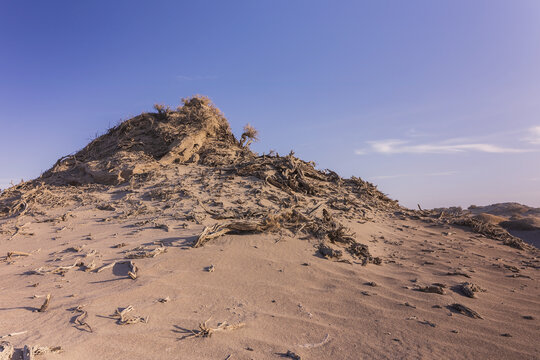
{"points": [[197, 133]]}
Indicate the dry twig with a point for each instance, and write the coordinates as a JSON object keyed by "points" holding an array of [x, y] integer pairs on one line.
{"points": [[45, 305], [206, 331], [80, 320], [124, 318], [462, 309]]}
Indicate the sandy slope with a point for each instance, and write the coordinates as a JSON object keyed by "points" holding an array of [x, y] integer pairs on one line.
{"points": [[157, 181], [286, 294]]}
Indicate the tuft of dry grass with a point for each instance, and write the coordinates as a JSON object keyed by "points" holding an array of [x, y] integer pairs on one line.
{"points": [[162, 109], [249, 135]]}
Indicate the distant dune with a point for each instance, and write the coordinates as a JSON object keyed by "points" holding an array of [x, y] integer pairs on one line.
{"points": [[520, 220]]}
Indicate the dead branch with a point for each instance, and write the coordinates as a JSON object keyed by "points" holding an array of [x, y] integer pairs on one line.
{"points": [[435, 289], [132, 273], [45, 305], [462, 309], [206, 331], [107, 266], [10, 254], [89, 267], [147, 253], [13, 334], [42, 350], [60, 270], [80, 320], [29, 352], [124, 318]]}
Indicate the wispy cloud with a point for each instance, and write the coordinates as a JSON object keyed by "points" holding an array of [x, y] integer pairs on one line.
{"points": [[394, 146], [414, 142], [533, 136], [442, 173]]}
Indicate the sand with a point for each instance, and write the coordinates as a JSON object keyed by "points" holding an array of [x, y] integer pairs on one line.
{"points": [[273, 292], [288, 296]]}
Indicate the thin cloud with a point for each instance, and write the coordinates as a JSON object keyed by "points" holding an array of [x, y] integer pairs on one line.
{"points": [[442, 173], [395, 146], [534, 136]]}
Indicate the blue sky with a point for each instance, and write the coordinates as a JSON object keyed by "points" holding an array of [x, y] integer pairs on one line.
{"points": [[436, 102]]}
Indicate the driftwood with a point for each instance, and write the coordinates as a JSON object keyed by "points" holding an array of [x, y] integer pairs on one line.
{"points": [[462, 309], [146, 253], [325, 227], [42, 350], [132, 273], [80, 320], [6, 350], [17, 231], [106, 266], [29, 352], [205, 331], [13, 334], [217, 230], [458, 273], [89, 267], [10, 254], [60, 270], [125, 319], [435, 289], [45, 305]]}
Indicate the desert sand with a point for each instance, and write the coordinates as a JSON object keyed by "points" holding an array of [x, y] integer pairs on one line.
{"points": [[167, 238]]}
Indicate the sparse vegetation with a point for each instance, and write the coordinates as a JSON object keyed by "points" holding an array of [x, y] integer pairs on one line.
{"points": [[162, 109], [249, 136]]}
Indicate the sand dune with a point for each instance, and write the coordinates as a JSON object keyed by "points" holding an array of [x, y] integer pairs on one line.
{"points": [[294, 262]]}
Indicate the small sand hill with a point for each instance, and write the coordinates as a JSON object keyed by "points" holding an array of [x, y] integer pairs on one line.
{"points": [[506, 210], [511, 216], [167, 237], [490, 219], [519, 220], [196, 133]]}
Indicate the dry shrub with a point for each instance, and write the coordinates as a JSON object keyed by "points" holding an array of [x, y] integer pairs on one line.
{"points": [[249, 135], [162, 109]]}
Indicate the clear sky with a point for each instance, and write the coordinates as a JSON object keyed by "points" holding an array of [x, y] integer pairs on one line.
{"points": [[436, 102]]}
